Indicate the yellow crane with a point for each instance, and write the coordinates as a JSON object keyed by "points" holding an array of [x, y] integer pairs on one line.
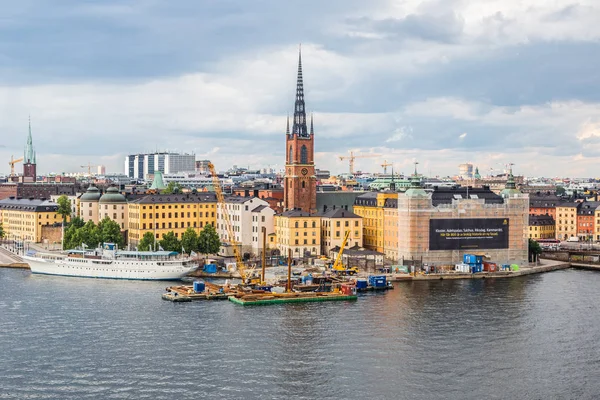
{"points": [[338, 266], [89, 167], [12, 163], [385, 165], [241, 267], [353, 156]]}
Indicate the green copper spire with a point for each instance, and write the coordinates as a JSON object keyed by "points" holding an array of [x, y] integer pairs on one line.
{"points": [[511, 187], [477, 175], [415, 189], [29, 153], [158, 183]]}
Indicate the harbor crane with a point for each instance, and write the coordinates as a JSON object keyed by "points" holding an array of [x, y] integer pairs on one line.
{"points": [[12, 163], [241, 267], [385, 165], [89, 167], [353, 156]]}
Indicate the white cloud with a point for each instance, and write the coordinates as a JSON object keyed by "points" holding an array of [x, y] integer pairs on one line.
{"points": [[462, 136]]}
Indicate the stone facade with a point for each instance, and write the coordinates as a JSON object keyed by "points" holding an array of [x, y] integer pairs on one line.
{"points": [[416, 211]]}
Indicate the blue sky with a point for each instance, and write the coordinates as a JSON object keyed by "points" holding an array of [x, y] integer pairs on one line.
{"points": [[442, 82]]}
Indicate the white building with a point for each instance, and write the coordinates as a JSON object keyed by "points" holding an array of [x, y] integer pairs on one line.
{"points": [[139, 166], [248, 216]]}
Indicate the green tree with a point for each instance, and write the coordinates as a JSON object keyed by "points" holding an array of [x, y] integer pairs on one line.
{"points": [[77, 221], [170, 243], [560, 191], [88, 234], [64, 207], [1, 231], [172, 188], [110, 232], [209, 241], [147, 242], [534, 250], [189, 240]]}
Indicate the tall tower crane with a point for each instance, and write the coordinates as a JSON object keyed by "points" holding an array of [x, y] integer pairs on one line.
{"points": [[12, 163], [89, 167], [241, 267], [385, 165], [352, 157]]}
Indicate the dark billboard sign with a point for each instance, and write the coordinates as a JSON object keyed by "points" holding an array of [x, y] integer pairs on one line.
{"points": [[468, 233]]}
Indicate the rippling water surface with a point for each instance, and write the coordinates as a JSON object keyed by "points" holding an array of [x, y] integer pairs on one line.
{"points": [[527, 338]]}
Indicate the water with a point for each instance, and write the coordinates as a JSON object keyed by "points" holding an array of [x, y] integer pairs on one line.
{"points": [[528, 338]]}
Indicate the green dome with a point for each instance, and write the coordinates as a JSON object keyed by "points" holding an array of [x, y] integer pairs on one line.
{"points": [[92, 194], [112, 195]]}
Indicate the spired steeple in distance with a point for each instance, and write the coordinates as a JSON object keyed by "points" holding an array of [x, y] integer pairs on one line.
{"points": [[29, 156], [299, 128]]}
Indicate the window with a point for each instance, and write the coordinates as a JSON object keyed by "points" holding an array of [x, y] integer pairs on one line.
{"points": [[303, 185], [295, 225], [337, 224], [296, 241], [303, 155], [305, 241], [314, 224], [347, 223], [290, 159], [305, 224]]}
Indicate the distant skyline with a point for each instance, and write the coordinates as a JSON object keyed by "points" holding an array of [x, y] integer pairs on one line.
{"points": [[443, 82]]}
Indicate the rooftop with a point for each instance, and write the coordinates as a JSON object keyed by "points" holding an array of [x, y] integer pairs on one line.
{"points": [[176, 198], [447, 195], [339, 213], [37, 205]]}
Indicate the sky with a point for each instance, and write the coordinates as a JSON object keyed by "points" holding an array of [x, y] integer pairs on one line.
{"points": [[441, 82]]}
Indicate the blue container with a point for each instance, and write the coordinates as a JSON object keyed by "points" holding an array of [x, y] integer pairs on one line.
{"points": [[469, 259], [210, 268], [199, 286], [377, 280], [506, 267], [361, 283]]}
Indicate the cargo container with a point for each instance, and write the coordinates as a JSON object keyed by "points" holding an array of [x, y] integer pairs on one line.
{"points": [[377, 280], [348, 290], [210, 268], [199, 286], [361, 284]]}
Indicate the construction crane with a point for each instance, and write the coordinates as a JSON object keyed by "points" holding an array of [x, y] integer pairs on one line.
{"points": [[89, 167], [338, 266], [352, 157], [241, 267], [12, 163], [385, 165]]}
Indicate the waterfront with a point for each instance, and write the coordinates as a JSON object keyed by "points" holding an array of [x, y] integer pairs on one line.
{"points": [[530, 338]]}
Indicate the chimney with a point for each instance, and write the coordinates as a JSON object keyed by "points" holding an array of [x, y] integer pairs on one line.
{"points": [[255, 192], [246, 193]]}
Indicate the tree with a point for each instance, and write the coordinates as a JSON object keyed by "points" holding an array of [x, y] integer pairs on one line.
{"points": [[88, 234], [560, 191], [77, 221], [68, 242], [209, 241], [170, 243], [110, 232], [172, 188], [2, 233], [189, 240], [534, 250], [64, 207], [147, 242]]}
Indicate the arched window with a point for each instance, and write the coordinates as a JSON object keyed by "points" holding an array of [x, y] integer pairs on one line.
{"points": [[303, 185], [303, 155], [290, 156], [305, 224], [314, 224], [296, 225]]}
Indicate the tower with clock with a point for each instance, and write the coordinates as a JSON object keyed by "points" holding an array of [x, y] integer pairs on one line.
{"points": [[300, 190]]}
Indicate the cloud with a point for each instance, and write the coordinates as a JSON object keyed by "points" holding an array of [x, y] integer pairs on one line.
{"points": [[401, 79], [462, 136]]}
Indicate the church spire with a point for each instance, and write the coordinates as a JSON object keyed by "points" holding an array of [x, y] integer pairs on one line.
{"points": [[312, 128], [29, 153], [299, 127], [287, 128]]}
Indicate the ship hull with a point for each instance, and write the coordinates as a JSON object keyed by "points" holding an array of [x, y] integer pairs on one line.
{"points": [[138, 270]]}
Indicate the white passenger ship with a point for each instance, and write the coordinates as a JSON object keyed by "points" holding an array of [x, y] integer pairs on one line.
{"points": [[108, 262]]}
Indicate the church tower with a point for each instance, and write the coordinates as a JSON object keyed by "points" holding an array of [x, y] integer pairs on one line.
{"points": [[29, 164], [300, 190]]}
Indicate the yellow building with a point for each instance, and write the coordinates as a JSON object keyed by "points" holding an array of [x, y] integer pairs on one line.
{"points": [[113, 205], [541, 227], [566, 220], [23, 219], [370, 206], [335, 224], [162, 213], [88, 203], [390, 229], [299, 231]]}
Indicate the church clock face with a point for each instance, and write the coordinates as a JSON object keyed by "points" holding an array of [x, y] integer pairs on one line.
{"points": [[304, 171]]}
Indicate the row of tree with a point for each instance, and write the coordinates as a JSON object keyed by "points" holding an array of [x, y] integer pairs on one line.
{"points": [[207, 242], [90, 234]]}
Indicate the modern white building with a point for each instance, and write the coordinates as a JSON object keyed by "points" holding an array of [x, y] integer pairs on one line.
{"points": [[139, 166], [248, 216]]}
